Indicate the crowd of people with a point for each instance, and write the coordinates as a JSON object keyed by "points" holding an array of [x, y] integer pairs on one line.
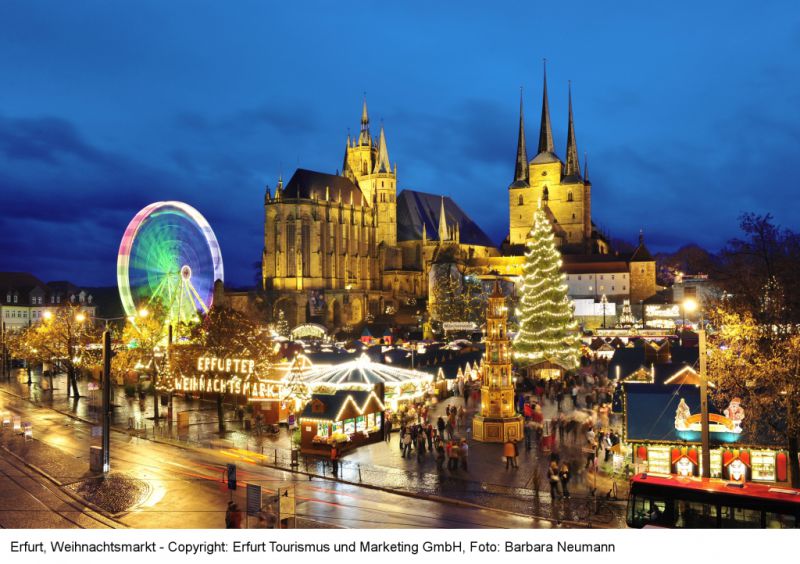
{"points": [[443, 441]]}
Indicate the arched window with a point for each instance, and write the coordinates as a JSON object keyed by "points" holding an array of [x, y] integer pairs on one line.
{"points": [[545, 194], [521, 202], [569, 196]]}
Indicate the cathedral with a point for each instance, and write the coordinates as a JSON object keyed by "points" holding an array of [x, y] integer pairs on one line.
{"points": [[344, 248]]}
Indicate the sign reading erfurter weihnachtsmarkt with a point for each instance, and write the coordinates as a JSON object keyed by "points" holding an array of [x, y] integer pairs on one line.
{"points": [[235, 376]]}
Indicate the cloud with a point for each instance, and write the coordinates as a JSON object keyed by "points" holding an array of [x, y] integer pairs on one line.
{"points": [[46, 139]]}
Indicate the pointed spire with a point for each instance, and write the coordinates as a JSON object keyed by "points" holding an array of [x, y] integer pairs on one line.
{"points": [[586, 169], [442, 224], [327, 193], [521, 168], [267, 194], [346, 163], [382, 164], [572, 167], [364, 137], [424, 233], [545, 130], [279, 188]]}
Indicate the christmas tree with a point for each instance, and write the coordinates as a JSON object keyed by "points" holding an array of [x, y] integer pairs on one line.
{"points": [[547, 329]]}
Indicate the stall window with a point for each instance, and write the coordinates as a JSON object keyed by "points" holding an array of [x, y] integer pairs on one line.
{"points": [[647, 510], [780, 521], [323, 429], [338, 427], [378, 420], [716, 464], [763, 465], [691, 515], [361, 424], [371, 422], [349, 426], [658, 459], [738, 518]]}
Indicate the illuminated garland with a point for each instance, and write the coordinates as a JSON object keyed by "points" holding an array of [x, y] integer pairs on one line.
{"points": [[547, 329]]}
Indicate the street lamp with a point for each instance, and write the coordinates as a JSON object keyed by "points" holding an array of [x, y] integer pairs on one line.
{"points": [[690, 305], [6, 372], [106, 419], [604, 301]]}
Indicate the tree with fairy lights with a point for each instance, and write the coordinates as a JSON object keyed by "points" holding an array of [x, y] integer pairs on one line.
{"points": [[547, 330]]}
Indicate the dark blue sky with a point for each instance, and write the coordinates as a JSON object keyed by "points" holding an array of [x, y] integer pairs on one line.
{"points": [[689, 112]]}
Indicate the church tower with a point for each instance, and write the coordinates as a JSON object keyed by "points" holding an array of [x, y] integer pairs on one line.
{"points": [[366, 163], [498, 420], [559, 185]]}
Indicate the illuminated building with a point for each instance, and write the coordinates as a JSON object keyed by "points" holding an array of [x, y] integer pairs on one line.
{"points": [[339, 248]]}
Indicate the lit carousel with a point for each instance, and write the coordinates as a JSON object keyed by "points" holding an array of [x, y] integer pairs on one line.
{"points": [[350, 402]]}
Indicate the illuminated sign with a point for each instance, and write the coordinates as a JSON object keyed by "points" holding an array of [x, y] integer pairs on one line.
{"points": [[459, 326], [309, 330], [662, 310], [232, 375]]}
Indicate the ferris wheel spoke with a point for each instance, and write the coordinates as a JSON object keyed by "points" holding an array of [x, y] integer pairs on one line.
{"points": [[157, 292], [197, 296]]}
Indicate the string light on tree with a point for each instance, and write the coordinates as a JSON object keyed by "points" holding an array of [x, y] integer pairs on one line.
{"points": [[547, 329]]}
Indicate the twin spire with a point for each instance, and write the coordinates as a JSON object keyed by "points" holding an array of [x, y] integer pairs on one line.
{"points": [[545, 130], [572, 164], [521, 168]]}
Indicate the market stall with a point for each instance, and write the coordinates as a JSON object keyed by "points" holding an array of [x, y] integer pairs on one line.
{"points": [[347, 418]]}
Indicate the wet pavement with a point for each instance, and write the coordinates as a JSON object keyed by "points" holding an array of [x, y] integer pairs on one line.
{"points": [[487, 483]]}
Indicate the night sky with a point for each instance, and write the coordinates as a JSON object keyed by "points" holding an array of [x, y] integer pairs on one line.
{"points": [[688, 111]]}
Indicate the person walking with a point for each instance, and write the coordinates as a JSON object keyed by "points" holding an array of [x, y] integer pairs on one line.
{"points": [[509, 452], [429, 436], [236, 517], [463, 453], [455, 455], [406, 445], [335, 459], [449, 427], [564, 476], [403, 432], [554, 479], [440, 425], [439, 454], [228, 515], [528, 431], [420, 447], [387, 431]]}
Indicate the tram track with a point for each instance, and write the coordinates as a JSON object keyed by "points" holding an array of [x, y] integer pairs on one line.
{"points": [[25, 479]]}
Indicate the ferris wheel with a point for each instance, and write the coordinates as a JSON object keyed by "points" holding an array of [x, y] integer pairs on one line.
{"points": [[169, 255]]}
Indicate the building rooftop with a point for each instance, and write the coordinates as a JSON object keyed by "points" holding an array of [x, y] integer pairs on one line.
{"points": [[309, 184], [415, 209]]}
